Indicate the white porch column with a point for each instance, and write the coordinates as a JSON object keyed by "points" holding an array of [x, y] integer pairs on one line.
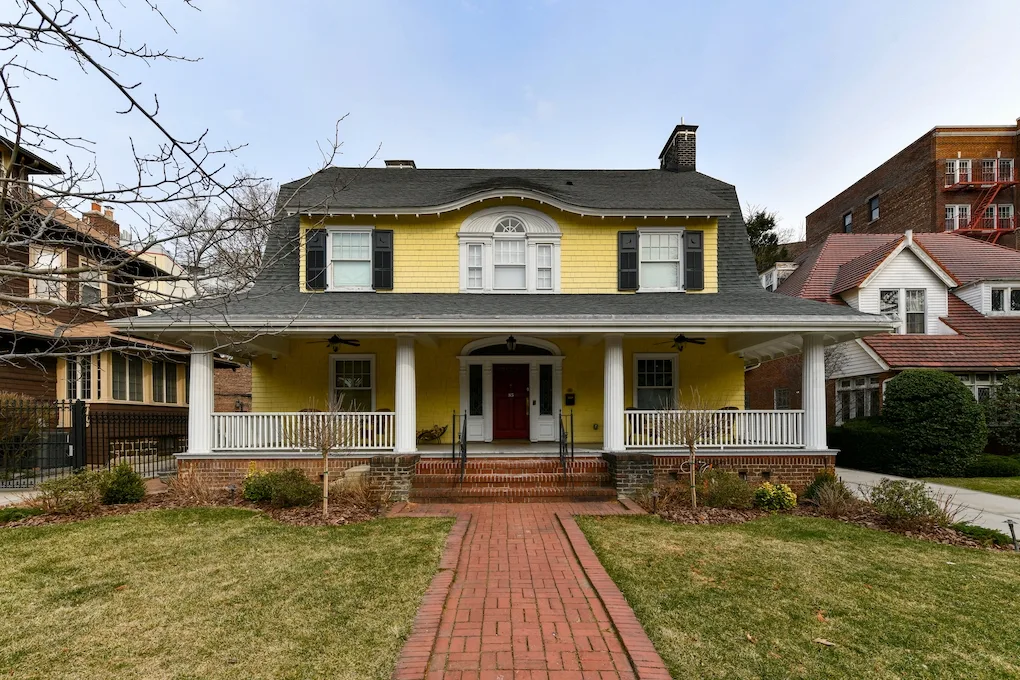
{"points": [[813, 392], [612, 417], [405, 396], [200, 397]]}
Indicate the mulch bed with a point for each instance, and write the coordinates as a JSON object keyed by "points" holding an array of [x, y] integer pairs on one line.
{"points": [[340, 512], [863, 515]]}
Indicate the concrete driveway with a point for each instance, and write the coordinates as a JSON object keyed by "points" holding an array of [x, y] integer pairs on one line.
{"points": [[983, 509]]}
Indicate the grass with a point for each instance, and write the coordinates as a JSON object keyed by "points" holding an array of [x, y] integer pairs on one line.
{"points": [[1004, 486], [749, 600], [211, 593]]}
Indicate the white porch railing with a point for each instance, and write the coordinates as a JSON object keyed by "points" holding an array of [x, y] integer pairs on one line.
{"points": [[721, 429], [285, 431]]}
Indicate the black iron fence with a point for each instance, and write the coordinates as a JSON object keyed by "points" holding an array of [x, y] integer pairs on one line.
{"points": [[40, 440]]}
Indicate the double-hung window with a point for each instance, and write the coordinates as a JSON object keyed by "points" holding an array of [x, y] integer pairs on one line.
{"points": [[911, 308], [873, 208], [1005, 170], [781, 398], [661, 260], [475, 279], [988, 168], [957, 216], [916, 312], [350, 266], [655, 382], [79, 377], [90, 286], [127, 377], [354, 382], [510, 264], [47, 285], [1005, 216], [848, 223], [957, 170], [164, 382], [544, 266]]}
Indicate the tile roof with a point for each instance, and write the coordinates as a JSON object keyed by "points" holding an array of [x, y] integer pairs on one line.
{"points": [[853, 273], [969, 259], [819, 267], [983, 342]]}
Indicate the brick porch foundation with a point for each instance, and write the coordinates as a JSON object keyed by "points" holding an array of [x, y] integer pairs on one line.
{"points": [[795, 470], [227, 471]]}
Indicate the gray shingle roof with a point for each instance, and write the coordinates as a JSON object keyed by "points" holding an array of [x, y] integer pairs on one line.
{"points": [[390, 188], [276, 294]]}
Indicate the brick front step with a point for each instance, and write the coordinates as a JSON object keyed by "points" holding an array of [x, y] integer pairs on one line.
{"points": [[510, 479], [542, 494]]}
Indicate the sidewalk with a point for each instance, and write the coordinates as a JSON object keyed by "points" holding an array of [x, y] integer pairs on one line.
{"points": [[983, 509], [521, 596], [14, 497]]}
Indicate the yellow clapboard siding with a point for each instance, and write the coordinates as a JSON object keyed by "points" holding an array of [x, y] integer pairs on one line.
{"points": [[426, 254], [300, 379]]}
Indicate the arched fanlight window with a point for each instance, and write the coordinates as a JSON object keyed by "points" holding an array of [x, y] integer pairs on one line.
{"points": [[510, 225], [515, 250]]}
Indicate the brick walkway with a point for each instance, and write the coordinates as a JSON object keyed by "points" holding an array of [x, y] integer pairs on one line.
{"points": [[513, 601]]}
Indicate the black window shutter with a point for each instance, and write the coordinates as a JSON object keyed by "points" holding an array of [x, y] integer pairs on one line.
{"points": [[382, 259], [694, 259], [627, 260], [315, 259]]}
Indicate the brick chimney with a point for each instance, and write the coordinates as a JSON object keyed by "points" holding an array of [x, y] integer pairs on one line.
{"points": [[680, 152], [101, 219]]}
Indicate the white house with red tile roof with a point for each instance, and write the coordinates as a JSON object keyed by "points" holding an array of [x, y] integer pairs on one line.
{"points": [[957, 301]]}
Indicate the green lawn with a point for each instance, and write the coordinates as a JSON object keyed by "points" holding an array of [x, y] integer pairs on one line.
{"points": [[1004, 486], [211, 593], [748, 600]]}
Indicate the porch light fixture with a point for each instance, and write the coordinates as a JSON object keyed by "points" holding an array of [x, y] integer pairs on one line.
{"points": [[511, 343]]}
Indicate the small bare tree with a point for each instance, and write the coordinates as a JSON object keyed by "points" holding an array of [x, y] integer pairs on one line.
{"points": [[686, 423], [328, 431]]}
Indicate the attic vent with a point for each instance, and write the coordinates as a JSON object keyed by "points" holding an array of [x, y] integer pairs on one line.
{"points": [[401, 164]]}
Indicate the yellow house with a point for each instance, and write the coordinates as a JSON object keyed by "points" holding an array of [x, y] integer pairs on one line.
{"points": [[528, 312]]}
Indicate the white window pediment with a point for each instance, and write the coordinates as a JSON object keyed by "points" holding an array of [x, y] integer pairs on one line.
{"points": [[509, 250]]}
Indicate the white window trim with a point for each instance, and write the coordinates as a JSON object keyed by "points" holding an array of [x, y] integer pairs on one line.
{"points": [[957, 222], [672, 356], [1007, 289], [906, 312], [870, 382], [34, 253], [479, 229], [901, 309], [80, 381], [334, 358], [104, 290], [329, 257], [682, 262]]}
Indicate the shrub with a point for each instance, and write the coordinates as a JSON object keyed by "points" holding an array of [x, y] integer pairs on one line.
{"points": [[192, 488], [982, 535], [941, 426], [990, 465], [822, 478], [123, 485], [15, 514], [720, 489], [834, 499], [909, 503], [1003, 414], [865, 444], [284, 489], [78, 493], [774, 497]]}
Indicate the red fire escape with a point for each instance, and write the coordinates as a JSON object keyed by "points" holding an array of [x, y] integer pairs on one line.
{"points": [[990, 177]]}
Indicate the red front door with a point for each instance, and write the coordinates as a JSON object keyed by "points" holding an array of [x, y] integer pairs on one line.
{"points": [[510, 401]]}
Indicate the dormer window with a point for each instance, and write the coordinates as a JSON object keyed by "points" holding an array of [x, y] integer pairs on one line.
{"points": [[1006, 300], [509, 250]]}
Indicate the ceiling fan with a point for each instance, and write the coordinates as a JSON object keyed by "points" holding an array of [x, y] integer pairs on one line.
{"points": [[334, 341], [679, 341]]}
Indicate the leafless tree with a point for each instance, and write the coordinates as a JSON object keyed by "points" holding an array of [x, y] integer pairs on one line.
{"points": [[325, 432], [686, 424], [194, 229]]}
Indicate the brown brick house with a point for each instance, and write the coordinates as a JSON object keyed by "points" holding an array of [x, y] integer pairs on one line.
{"points": [[952, 178]]}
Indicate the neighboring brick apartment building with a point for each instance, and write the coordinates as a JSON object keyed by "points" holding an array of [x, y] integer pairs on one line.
{"points": [[232, 389], [953, 178]]}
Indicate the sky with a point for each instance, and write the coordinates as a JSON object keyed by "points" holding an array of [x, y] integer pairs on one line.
{"points": [[795, 100]]}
